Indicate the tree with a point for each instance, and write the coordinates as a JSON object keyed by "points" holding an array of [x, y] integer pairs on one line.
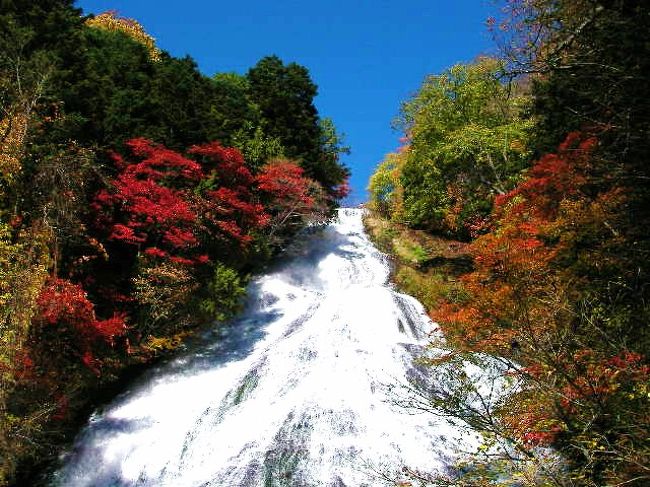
{"points": [[65, 306], [386, 191], [107, 96], [23, 79], [148, 205], [23, 271], [233, 111], [467, 142], [256, 147], [285, 96], [36, 40], [109, 21], [532, 304], [229, 209], [182, 104], [117, 88], [292, 199], [100, 226]]}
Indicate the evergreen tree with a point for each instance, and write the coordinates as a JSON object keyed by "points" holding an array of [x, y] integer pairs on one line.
{"points": [[285, 96]]}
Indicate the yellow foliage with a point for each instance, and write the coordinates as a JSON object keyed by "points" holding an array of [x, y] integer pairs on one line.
{"points": [[163, 289], [12, 137], [156, 345], [23, 270], [385, 187], [110, 22]]}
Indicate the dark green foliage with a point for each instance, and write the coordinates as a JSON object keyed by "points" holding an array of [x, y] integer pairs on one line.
{"points": [[54, 25], [225, 291], [109, 93], [118, 92], [598, 82], [232, 109], [182, 100], [284, 95]]}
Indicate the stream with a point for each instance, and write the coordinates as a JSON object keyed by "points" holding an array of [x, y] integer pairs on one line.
{"points": [[299, 390]]}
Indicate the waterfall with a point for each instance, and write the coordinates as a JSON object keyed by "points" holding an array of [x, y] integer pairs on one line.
{"points": [[298, 391]]}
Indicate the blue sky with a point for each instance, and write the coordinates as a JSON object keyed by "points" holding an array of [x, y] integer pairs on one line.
{"points": [[366, 56]]}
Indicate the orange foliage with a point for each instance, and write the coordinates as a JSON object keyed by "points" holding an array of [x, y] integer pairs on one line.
{"points": [[522, 293], [513, 261]]}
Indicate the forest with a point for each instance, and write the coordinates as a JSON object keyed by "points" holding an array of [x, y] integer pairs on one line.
{"points": [[517, 209], [137, 197]]}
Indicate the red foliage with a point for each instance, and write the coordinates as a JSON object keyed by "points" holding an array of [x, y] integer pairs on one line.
{"points": [[179, 238], [285, 182], [341, 191], [160, 163], [182, 260], [228, 162], [62, 408], [512, 260], [23, 366], [149, 203], [126, 234], [596, 378], [227, 205], [64, 305], [553, 178], [164, 203], [110, 328], [288, 193], [155, 252]]}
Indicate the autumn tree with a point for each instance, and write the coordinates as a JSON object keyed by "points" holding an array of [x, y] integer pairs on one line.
{"points": [[111, 22], [588, 63], [23, 271], [229, 207], [151, 200], [385, 187], [292, 199], [64, 308], [176, 222], [467, 137], [557, 294], [532, 305]]}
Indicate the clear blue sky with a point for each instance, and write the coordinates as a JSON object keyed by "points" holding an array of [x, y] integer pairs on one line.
{"points": [[366, 56]]}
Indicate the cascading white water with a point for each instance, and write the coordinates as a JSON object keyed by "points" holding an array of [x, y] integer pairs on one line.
{"points": [[293, 393]]}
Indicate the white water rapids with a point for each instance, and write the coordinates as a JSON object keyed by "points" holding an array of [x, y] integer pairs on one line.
{"points": [[292, 393]]}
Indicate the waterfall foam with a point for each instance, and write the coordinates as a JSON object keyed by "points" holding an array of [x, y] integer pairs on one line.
{"points": [[293, 393]]}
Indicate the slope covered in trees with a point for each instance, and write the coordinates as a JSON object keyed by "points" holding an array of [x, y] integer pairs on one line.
{"points": [[136, 196], [551, 192]]}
